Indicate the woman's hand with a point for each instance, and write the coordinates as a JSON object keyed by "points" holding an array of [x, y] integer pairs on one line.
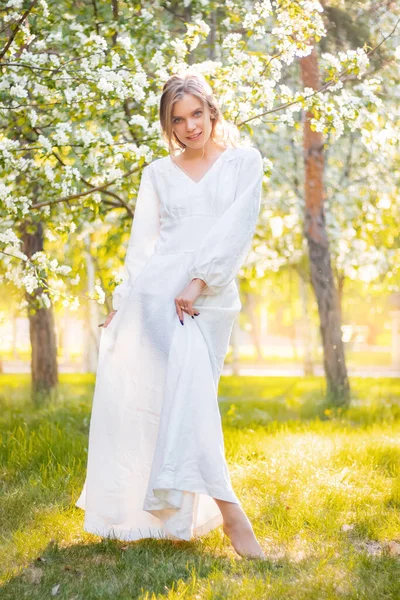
{"points": [[108, 319], [184, 302]]}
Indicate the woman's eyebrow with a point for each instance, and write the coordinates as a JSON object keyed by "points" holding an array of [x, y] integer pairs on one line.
{"points": [[193, 111]]}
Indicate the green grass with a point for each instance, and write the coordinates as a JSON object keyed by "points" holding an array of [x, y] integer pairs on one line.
{"points": [[354, 359], [301, 470]]}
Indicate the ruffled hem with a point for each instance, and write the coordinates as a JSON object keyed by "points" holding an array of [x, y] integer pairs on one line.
{"points": [[175, 509], [131, 535], [94, 524]]}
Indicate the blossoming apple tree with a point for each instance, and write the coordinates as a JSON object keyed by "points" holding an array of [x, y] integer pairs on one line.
{"points": [[79, 99]]}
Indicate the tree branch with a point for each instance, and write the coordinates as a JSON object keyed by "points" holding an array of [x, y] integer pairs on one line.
{"points": [[82, 194], [322, 88], [14, 33]]}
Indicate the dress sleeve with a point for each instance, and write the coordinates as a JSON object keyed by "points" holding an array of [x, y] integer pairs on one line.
{"points": [[224, 248], [144, 234]]}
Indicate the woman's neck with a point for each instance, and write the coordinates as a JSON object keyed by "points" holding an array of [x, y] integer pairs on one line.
{"points": [[207, 152]]}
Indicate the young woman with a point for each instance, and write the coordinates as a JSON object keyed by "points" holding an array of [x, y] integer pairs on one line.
{"points": [[156, 462]]}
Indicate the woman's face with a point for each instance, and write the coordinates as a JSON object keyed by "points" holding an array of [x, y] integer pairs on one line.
{"points": [[190, 118]]}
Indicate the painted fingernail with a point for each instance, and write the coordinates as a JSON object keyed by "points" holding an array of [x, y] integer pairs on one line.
{"points": [[192, 316], [181, 322]]}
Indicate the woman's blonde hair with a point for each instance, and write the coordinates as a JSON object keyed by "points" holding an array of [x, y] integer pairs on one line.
{"points": [[195, 84]]}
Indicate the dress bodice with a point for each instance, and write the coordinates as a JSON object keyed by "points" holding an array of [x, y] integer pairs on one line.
{"points": [[188, 209], [213, 219], [180, 196]]}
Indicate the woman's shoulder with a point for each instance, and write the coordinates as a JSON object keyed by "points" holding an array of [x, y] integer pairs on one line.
{"points": [[245, 153], [159, 160], [243, 150], [251, 151], [155, 165]]}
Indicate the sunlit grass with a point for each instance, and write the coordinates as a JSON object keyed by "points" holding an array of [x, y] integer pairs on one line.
{"points": [[354, 358], [248, 355], [321, 487]]}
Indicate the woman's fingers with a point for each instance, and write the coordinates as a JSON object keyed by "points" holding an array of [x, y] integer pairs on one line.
{"points": [[108, 319], [193, 312], [179, 310], [185, 306]]}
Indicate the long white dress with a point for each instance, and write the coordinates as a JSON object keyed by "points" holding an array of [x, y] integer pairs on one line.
{"points": [[156, 452]]}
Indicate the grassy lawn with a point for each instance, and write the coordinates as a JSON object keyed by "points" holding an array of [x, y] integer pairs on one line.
{"points": [[322, 489], [354, 359]]}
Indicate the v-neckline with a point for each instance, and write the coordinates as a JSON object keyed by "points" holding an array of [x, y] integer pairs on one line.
{"points": [[205, 174]]}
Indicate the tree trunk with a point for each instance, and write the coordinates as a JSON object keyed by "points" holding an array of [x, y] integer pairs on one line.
{"points": [[14, 335], [306, 328], [314, 228], [91, 316], [211, 39], [255, 330], [235, 347], [340, 280], [293, 334], [41, 327]]}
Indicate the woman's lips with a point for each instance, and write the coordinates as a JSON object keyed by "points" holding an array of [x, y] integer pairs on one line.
{"points": [[195, 138]]}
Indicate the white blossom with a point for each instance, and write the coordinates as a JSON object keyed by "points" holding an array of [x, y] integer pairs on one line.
{"points": [[45, 142], [9, 237], [100, 293], [60, 135], [14, 4]]}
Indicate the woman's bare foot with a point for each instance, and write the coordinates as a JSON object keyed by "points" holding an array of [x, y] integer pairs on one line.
{"points": [[238, 528]]}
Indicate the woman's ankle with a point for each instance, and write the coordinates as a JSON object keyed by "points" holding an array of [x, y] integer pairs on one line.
{"points": [[235, 517]]}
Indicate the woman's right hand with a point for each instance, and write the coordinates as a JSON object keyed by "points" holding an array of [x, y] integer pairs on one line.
{"points": [[108, 319]]}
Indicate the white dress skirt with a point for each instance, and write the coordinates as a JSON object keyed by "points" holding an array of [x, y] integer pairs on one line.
{"points": [[156, 454]]}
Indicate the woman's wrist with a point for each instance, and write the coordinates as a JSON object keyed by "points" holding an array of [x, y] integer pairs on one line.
{"points": [[203, 283]]}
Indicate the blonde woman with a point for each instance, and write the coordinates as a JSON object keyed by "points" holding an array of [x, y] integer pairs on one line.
{"points": [[156, 460]]}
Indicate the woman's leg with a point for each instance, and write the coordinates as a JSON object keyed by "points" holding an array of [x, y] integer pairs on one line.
{"points": [[238, 528]]}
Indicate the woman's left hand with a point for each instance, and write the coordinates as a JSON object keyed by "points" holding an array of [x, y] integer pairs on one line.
{"points": [[184, 302]]}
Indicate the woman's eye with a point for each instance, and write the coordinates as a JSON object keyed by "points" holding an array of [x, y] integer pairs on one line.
{"points": [[198, 112]]}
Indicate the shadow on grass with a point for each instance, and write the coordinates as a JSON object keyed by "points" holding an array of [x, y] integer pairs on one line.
{"points": [[113, 569], [149, 569]]}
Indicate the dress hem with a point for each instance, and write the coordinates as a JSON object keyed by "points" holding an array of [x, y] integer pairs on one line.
{"points": [[162, 532], [131, 535]]}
